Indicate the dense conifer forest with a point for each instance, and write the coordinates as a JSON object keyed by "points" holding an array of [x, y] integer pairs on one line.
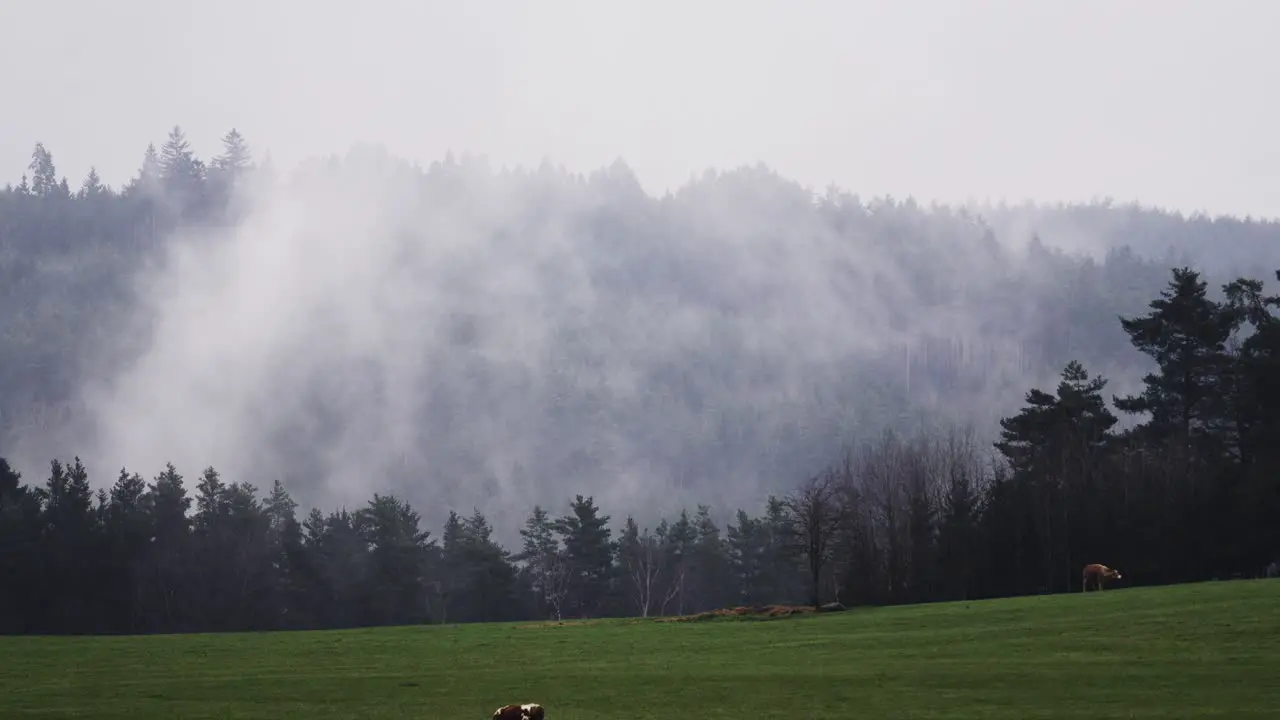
{"points": [[749, 394]]}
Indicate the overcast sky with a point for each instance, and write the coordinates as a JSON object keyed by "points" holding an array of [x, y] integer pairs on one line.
{"points": [[1167, 102]]}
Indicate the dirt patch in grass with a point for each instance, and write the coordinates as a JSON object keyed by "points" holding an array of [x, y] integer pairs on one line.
{"points": [[760, 612], [742, 612]]}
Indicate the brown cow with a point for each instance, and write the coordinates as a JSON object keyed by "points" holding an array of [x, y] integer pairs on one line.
{"points": [[1097, 572], [528, 711]]}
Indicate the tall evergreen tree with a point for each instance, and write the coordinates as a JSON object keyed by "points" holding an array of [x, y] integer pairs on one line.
{"points": [[235, 156], [171, 577], [92, 187], [128, 529], [71, 546], [182, 173], [148, 179], [44, 180], [1055, 448], [710, 560], [589, 553], [546, 564], [747, 550], [400, 560], [20, 534], [1186, 334]]}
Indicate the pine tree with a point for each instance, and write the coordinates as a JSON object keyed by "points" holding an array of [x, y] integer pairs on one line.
{"points": [[710, 563], [148, 178], [280, 508], [177, 161], [1052, 428], [545, 562], [44, 180], [72, 547], [1055, 446], [337, 571], [1186, 334], [181, 172], [399, 561], [211, 500], [489, 580], [92, 186], [225, 173], [1256, 365], [235, 157], [589, 553], [747, 547], [1256, 406], [127, 525], [20, 552], [287, 558], [677, 541], [170, 589]]}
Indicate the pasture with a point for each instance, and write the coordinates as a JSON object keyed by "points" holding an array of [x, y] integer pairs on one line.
{"points": [[1203, 650]]}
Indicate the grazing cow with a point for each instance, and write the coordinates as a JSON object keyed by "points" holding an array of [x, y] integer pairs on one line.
{"points": [[528, 711], [1096, 573]]}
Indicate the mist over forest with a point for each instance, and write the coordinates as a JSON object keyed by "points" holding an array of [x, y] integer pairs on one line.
{"points": [[477, 337]]}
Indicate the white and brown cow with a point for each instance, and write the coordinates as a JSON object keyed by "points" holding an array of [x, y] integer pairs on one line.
{"points": [[528, 711], [1095, 574]]}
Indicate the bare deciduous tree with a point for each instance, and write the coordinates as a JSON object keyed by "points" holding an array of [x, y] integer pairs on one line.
{"points": [[676, 588], [644, 563], [815, 516], [551, 573]]}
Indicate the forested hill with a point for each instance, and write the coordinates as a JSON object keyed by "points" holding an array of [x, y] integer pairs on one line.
{"points": [[467, 336]]}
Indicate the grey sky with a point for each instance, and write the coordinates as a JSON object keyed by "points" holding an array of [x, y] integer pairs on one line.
{"points": [[1170, 103]]}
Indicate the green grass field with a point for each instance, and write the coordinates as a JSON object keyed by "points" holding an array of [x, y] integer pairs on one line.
{"points": [[1203, 650]]}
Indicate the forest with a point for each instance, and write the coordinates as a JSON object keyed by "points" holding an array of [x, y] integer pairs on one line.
{"points": [[942, 413]]}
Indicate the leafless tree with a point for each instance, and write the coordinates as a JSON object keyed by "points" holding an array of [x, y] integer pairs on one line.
{"points": [[676, 588], [549, 576], [644, 564], [553, 580], [962, 473], [882, 469], [816, 516]]}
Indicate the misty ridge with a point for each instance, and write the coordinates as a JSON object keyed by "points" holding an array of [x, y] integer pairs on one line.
{"points": [[467, 336]]}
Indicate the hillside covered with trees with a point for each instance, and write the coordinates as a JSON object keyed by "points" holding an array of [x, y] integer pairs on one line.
{"points": [[525, 337]]}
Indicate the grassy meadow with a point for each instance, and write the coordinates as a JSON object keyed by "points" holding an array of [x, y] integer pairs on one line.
{"points": [[1202, 650]]}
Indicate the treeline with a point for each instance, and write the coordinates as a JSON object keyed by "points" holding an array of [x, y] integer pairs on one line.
{"points": [[172, 183], [1191, 492]]}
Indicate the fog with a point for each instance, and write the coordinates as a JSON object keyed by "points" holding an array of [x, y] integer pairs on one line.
{"points": [[469, 337], [611, 297]]}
